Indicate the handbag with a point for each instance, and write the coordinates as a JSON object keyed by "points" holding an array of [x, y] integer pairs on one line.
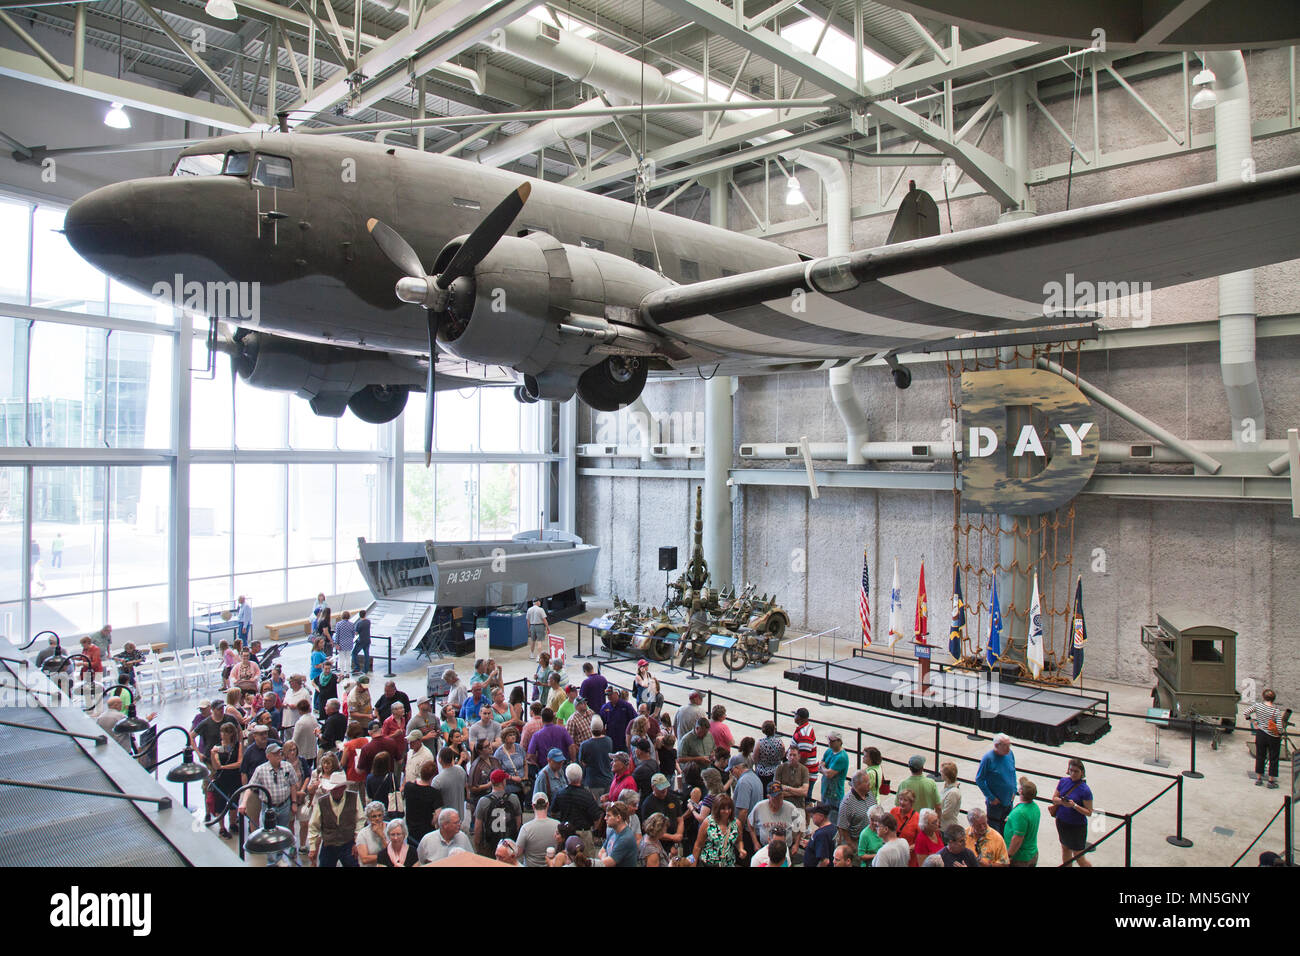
{"points": [[1053, 808], [396, 801]]}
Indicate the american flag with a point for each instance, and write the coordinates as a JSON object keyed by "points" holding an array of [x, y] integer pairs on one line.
{"points": [[864, 603]]}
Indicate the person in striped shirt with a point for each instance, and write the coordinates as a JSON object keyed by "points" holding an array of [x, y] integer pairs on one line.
{"points": [[805, 738], [1268, 720], [345, 631]]}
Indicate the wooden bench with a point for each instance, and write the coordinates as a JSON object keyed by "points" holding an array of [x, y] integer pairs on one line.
{"points": [[273, 630], [298, 627]]}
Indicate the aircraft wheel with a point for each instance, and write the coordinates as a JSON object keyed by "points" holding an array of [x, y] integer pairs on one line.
{"points": [[614, 383], [902, 378], [378, 404]]}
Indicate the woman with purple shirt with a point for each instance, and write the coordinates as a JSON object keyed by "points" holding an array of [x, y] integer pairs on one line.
{"points": [[1072, 803]]}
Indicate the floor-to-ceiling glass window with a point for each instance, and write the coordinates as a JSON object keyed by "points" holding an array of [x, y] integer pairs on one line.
{"points": [[278, 496]]}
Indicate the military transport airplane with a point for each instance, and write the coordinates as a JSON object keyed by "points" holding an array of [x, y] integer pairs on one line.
{"points": [[576, 293]]}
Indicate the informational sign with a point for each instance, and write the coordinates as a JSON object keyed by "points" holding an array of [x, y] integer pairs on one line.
{"points": [[601, 624], [557, 647], [1158, 716], [997, 471]]}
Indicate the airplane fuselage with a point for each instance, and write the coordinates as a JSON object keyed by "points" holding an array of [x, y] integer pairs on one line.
{"points": [[321, 277]]}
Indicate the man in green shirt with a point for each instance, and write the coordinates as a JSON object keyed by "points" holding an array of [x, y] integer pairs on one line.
{"points": [[835, 765], [1021, 830], [695, 752], [927, 794], [567, 708]]}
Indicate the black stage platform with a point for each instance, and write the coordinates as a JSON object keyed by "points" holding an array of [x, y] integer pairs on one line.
{"points": [[1025, 711]]}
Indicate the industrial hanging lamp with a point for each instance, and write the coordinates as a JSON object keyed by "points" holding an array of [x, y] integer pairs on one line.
{"points": [[1205, 98], [793, 194], [221, 10], [116, 117]]}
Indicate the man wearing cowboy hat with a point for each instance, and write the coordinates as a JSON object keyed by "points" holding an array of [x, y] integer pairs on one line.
{"points": [[336, 819]]}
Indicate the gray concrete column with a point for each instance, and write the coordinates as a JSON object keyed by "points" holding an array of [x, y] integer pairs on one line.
{"points": [[719, 441]]}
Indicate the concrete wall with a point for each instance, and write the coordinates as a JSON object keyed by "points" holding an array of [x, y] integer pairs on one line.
{"points": [[1235, 564]]}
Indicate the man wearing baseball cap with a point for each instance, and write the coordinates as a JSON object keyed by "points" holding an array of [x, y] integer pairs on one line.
{"points": [[551, 779], [927, 794], [567, 706], [417, 755], [538, 834], [274, 777], [497, 816], [834, 767], [663, 800], [821, 842]]}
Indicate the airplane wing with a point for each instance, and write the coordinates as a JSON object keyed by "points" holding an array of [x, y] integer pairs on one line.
{"points": [[1046, 270]]}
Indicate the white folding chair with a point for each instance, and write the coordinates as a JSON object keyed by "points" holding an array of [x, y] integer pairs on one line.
{"points": [[147, 682], [169, 673], [210, 662], [191, 667]]}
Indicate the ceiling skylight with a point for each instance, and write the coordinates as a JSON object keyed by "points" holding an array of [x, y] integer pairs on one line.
{"points": [[836, 49], [717, 91]]}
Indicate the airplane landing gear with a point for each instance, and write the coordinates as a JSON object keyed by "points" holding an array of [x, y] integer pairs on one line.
{"points": [[902, 376], [378, 404], [613, 383]]}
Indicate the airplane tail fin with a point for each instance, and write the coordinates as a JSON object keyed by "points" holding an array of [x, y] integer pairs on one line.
{"points": [[917, 217]]}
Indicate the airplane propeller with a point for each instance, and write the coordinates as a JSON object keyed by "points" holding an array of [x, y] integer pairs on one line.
{"points": [[433, 292]]}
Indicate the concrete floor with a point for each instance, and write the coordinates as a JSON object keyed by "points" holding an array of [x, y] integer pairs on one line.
{"points": [[1222, 813]]}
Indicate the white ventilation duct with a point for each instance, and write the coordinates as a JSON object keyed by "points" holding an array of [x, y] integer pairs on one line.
{"points": [[839, 201], [1233, 162], [622, 78]]}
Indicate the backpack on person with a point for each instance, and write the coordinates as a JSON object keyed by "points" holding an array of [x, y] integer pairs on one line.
{"points": [[500, 823]]}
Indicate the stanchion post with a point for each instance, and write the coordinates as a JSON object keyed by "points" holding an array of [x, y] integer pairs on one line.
{"points": [[1289, 828], [1177, 839], [1193, 772], [826, 683], [859, 748], [1128, 840], [934, 774], [774, 706], [390, 659]]}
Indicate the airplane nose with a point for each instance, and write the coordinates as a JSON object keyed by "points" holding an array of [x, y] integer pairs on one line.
{"points": [[98, 223]]}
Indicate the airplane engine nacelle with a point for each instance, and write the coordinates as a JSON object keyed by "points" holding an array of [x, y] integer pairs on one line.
{"points": [[528, 291], [327, 376]]}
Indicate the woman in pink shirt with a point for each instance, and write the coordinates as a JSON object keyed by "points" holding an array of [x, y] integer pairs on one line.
{"points": [[722, 736]]}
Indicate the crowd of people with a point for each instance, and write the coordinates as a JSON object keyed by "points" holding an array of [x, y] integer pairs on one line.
{"points": [[586, 773]]}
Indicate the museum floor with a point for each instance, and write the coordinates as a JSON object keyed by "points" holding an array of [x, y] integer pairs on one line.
{"points": [[1222, 813]]}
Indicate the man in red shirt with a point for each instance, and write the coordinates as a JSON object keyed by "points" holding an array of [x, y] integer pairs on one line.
{"points": [[805, 738], [377, 744], [621, 763], [348, 754]]}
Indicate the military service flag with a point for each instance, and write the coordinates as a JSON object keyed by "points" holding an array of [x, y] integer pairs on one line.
{"points": [[957, 631], [921, 627], [895, 609], [1034, 642], [1078, 630]]}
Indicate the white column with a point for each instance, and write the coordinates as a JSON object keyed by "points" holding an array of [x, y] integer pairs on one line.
{"points": [[178, 543], [719, 443]]}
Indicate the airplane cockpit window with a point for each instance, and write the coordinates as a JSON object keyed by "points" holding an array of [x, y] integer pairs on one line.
{"points": [[274, 171], [236, 164], [212, 164], [205, 164]]}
